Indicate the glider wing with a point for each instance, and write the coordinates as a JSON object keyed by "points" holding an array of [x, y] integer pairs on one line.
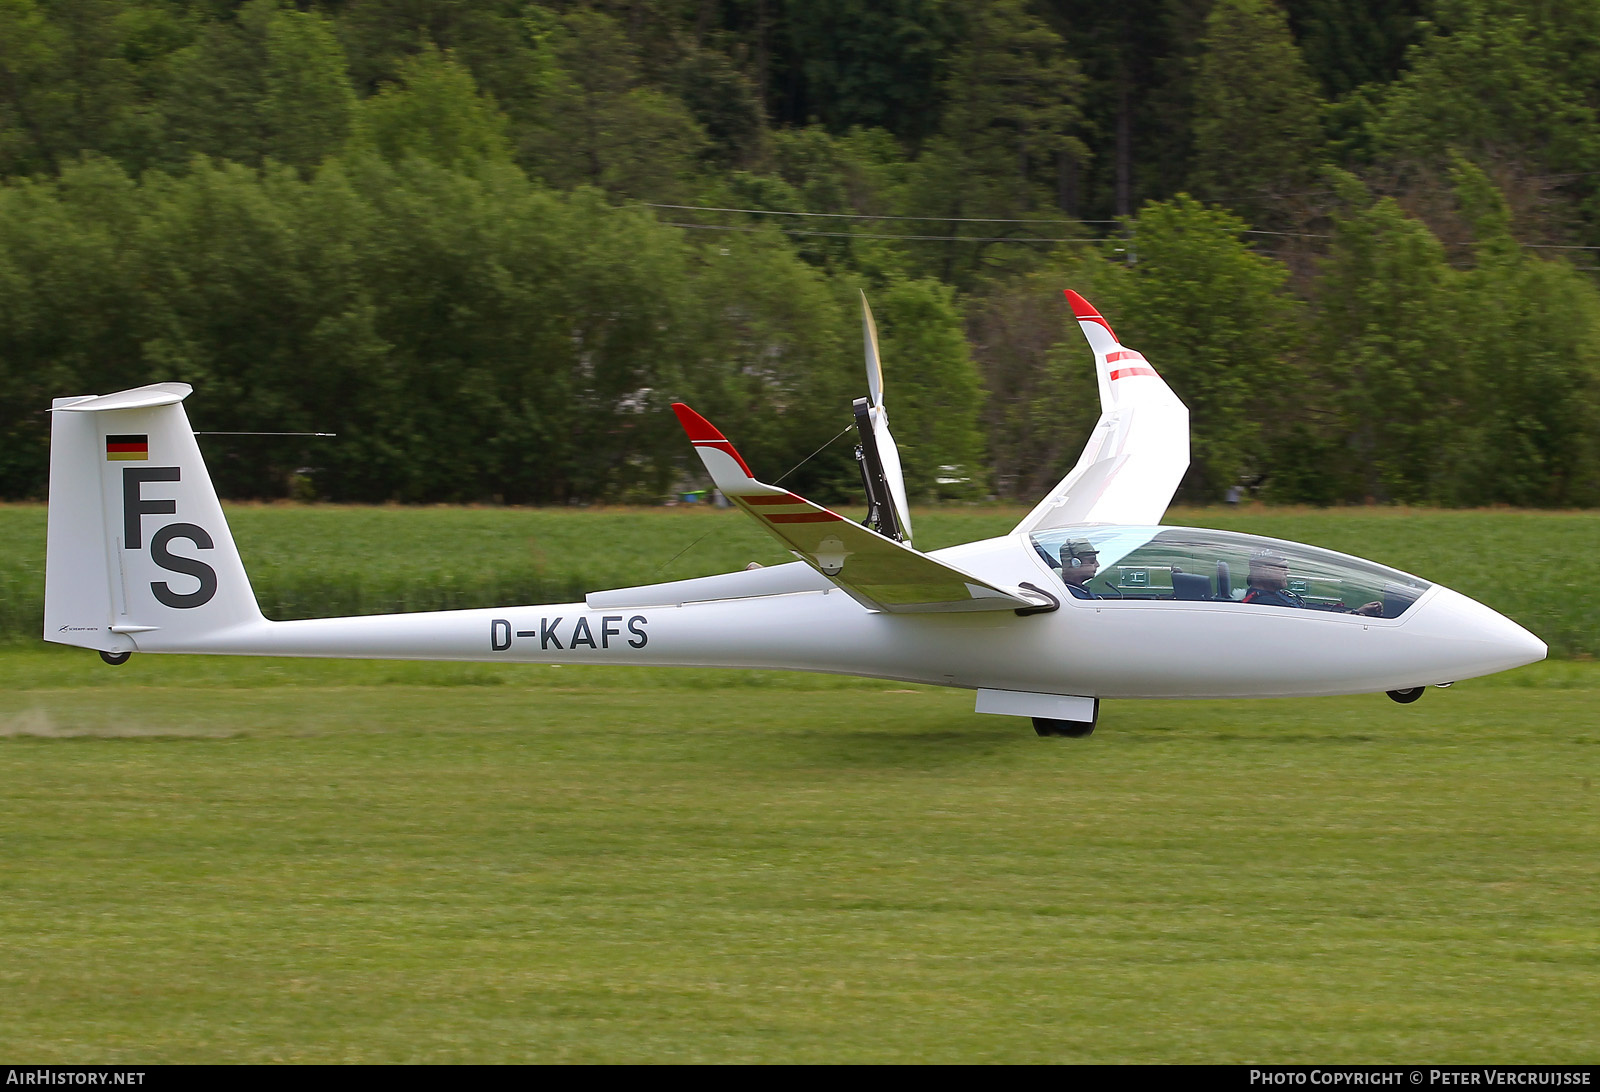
{"points": [[1139, 449], [878, 572]]}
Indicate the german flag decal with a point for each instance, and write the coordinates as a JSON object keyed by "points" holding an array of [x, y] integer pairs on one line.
{"points": [[123, 449]]}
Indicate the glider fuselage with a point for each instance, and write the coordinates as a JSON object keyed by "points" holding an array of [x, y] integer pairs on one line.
{"points": [[1103, 648]]}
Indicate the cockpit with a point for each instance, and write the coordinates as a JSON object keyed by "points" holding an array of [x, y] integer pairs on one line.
{"points": [[1134, 564]]}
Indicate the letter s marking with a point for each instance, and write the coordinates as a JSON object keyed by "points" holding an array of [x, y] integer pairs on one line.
{"points": [[187, 565]]}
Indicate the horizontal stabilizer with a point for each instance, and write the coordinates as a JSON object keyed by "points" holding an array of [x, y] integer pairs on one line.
{"points": [[148, 397], [878, 572]]}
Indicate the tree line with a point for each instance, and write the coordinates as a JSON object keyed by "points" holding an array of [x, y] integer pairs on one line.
{"points": [[487, 242]]}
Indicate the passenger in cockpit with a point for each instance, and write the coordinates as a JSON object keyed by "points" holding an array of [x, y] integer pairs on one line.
{"points": [[1079, 563], [1268, 583], [1269, 587]]}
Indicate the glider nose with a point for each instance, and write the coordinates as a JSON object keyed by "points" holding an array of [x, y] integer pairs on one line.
{"points": [[1481, 640]]}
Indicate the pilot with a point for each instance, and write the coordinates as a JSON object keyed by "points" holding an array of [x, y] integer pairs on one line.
{"points": [[1268, 583], [1269, 586], [1079, 563]]}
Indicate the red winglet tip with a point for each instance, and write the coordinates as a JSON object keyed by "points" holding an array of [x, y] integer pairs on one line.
{"points": [[1084, 311], [696, 426], [702, 431], [1081, 307]]}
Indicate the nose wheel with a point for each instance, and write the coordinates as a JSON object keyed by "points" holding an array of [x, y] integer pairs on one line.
{"points": [[1407, 696]]}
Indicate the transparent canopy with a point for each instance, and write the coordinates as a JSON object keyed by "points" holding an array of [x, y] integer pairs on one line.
{"points": [[1191, 564]]}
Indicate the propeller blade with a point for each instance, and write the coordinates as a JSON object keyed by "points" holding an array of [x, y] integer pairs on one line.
{"points": [[893, 476], [869, 334]]}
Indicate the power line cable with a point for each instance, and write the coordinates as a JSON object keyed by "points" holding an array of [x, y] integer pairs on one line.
{"points": [[985, 220], [869, 216], [878, 235]]}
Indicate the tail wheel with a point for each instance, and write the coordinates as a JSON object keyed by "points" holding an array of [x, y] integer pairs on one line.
{"points": [[115, 659], [1407, 696]]}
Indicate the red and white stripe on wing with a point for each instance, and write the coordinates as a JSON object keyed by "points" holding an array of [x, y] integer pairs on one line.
{"points": [[1135, 364], [789, 508]]}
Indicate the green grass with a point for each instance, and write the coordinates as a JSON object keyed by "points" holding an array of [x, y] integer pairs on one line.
{"points": [[243, 860], [219, 859], [1537, 567]]}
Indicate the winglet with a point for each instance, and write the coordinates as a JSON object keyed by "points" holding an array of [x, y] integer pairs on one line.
{"points": [[703, 432], [726, 467], [1085, 312]]}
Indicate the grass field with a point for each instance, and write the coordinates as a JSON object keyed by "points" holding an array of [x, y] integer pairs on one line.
{"points": [[238, 860], [216, 859]]}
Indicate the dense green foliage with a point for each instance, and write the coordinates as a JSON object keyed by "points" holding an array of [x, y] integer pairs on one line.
{"points": [[227, 859], [454, 232], [322, 560]]}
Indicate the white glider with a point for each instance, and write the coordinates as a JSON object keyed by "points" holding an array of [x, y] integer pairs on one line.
{"points": [[1087, 598]]}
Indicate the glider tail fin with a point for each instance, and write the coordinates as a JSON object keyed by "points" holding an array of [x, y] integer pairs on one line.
{"points": [[139, 555]]}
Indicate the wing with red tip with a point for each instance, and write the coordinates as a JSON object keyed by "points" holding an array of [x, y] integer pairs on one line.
{"points": [[1139, 449], [878, 572]]}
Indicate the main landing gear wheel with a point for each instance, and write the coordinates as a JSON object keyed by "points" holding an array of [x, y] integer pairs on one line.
{"points": [[115, 659], [1406, 697], [1072, 729]]}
